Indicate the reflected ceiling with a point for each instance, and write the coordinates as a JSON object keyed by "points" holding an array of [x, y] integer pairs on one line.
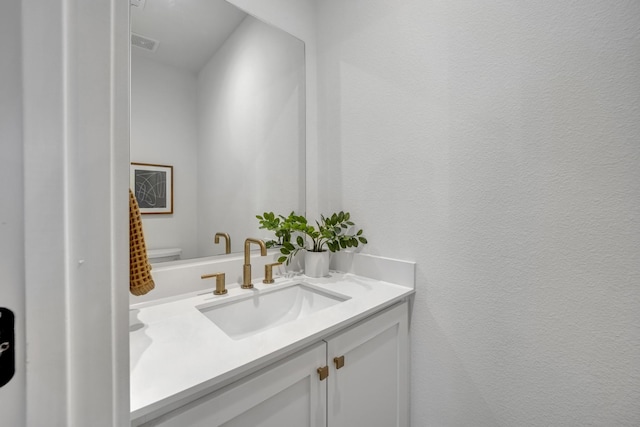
{"points": [[183, 29]]}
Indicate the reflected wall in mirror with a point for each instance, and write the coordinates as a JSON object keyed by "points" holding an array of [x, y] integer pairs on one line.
{"points": [[218, 95]]}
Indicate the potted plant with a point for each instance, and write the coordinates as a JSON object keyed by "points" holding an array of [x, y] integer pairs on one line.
{"points": [[277, 224], [332, 233]]}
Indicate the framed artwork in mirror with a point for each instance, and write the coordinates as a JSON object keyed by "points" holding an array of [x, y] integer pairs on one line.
{"points": [[153, 187]]}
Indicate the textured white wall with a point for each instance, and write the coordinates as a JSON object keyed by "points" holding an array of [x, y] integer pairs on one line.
{"points": [[250, 108], [164, 131], [496, 144]]}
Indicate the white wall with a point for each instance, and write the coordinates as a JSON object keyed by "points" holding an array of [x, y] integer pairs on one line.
{"points": [[298, 17], [164, 131], [250, 97], [496, 144], [12, 395]]}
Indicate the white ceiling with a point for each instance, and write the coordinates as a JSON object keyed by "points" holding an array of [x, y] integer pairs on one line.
{"points": [[189, 31]]}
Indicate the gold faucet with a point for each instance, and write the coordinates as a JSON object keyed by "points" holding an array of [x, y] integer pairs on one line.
{"points": [[268, 272], [246, 269], [220, 289], [227, 245]]}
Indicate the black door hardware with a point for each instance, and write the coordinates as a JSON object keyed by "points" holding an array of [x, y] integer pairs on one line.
{"points": [[7, 346]]}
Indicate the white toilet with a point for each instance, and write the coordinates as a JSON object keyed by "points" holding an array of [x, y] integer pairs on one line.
{"points": [[163, 255]]}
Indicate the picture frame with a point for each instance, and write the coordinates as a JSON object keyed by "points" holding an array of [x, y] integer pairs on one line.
{"points": [[152, 186]]}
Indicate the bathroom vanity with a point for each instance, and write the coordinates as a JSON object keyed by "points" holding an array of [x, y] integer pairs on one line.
{"points": [[300, 352]]}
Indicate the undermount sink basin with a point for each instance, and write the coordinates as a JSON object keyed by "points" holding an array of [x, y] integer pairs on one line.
{"points": [[267, 309]]}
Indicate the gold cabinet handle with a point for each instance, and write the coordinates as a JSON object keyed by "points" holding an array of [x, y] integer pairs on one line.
{"points": [[323, 372], [339, 362]]}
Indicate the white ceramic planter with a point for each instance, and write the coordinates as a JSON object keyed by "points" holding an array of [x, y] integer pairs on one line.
{"points": [[316, 264]]}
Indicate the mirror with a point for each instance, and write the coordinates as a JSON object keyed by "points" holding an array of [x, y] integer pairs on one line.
{"points": [[219, 96]]}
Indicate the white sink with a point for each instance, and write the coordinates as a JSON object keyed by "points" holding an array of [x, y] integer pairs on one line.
{"points": [[267, 309]]}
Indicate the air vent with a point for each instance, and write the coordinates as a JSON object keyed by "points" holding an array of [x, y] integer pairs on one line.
{"points": [[144, 42], [138, 3]]}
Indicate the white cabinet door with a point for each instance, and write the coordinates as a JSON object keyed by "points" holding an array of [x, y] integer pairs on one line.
{"points": [[371, 388], [287, 394]]}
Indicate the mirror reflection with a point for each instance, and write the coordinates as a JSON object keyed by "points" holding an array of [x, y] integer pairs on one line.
{"points": [[219, 96]]}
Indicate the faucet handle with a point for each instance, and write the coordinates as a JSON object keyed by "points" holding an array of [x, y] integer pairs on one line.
{"points": [[220, 285], [268, 272]]}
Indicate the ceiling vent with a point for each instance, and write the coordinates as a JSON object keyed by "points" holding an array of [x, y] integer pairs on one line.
{"points": [[138, 3], [144, 42]]}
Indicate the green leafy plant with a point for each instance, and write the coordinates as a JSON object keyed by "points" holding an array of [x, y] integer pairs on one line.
{"points": [[277, 224], [330, 232]]}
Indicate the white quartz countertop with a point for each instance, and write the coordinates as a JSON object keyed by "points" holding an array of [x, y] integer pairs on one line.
{"points": [[178, 353]]}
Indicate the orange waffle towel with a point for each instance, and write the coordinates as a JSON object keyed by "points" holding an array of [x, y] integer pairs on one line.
{"points": [[140, 281]]}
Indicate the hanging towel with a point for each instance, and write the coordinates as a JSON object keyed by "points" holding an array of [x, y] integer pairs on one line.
{"points": [[140, 281]]}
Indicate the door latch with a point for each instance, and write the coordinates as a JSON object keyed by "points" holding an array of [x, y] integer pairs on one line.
{"points": [[7, 346]]}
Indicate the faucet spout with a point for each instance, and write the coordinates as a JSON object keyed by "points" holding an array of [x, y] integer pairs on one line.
{"points": [[227, 239], [246, 269]]}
